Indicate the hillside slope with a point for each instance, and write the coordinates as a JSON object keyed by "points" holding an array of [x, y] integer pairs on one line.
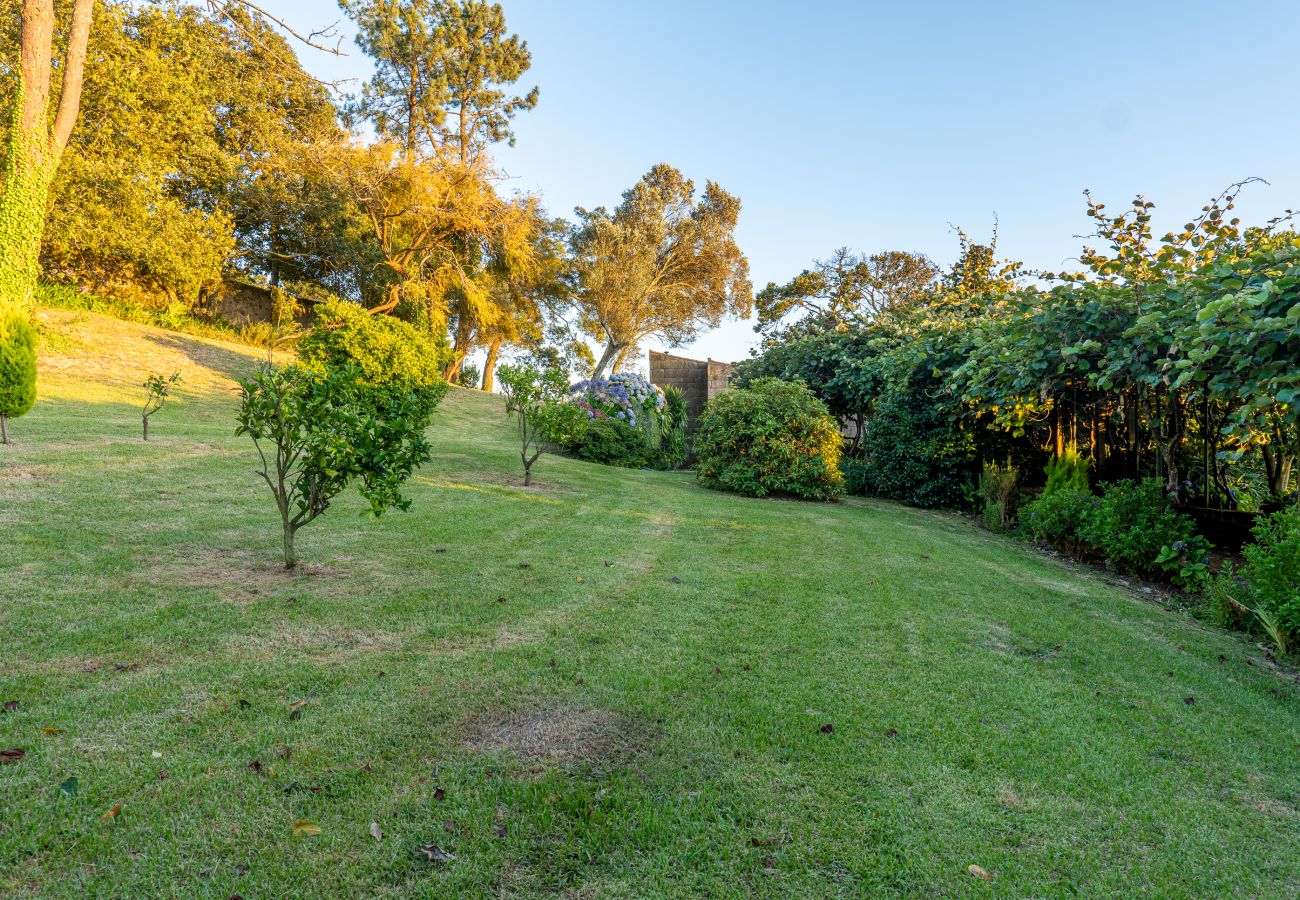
{"points": [[615, 683]]}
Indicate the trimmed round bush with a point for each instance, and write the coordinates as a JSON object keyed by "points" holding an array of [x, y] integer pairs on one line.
{"points": [[773, 437], [1061, 519]]}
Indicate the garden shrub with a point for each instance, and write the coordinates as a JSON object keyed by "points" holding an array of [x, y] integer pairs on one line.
{"points": [[1135, 528], [774, 437], [392, 355], [1061, 519], [1070, 469], [916, 453], [1269, 583], [17, 367], [997, 487], [630, 422], [612, 442]]}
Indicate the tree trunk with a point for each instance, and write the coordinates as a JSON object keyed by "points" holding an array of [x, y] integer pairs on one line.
{"points": [[33, 151], [145, 420], [4, 429], [290, 558], [490, 366], [612, 352], [528, 474]]}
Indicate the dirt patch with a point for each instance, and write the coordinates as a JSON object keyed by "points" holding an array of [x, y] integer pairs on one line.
{"points": [[241, 576], [555, 732]]}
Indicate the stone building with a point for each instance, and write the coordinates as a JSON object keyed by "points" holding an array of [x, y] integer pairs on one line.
{"points": [[700, 380]]}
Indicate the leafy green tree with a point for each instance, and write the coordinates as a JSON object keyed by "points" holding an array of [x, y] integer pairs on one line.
{"points": [[847, 285], [662, 263], [316, 433], [441, 72], [35, 142], [158, 389], [530, 394], [17, 366]]}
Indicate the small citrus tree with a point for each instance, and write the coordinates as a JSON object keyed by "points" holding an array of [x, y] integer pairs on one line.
{"points": [[534, 396], [159, 389], [318, 432], [17, 367]]}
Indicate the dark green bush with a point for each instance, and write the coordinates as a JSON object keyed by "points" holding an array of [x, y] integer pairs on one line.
{"points": [[1134, 525], [1271, 576], [774, 437], [612, 443], [1061, 519], [672, 443], [915, 453]]}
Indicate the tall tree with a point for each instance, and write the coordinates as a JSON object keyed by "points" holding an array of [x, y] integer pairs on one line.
{"points": [[441, 72], [663, 263], [35, 144], [848, 284]]}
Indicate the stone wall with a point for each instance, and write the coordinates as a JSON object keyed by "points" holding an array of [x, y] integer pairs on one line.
{"points": [[700, 380], [241, 302]]}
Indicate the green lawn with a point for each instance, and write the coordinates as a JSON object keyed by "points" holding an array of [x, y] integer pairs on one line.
{"points": [[612, 684]]}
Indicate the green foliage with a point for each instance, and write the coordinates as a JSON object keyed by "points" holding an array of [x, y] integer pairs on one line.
{"points": [[1070, 469], [1135, 527], [532, 393], [997, 488], [157, 388], [390, 353], [317, 432], [469, 376], [773, 437], [611, 442], [672, 445], [916, 452], [1271, 575], [1061, 519], [17, 364]]}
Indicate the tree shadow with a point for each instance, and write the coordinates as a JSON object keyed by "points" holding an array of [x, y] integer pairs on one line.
{"points": [[230, 363]]}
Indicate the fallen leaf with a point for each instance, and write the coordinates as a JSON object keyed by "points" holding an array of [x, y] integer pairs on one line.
{"points": [[501, 831], [772, 840], [439, 793], [891, 732], [580, 682], [439, 549], [244, 704], [826, 729], [255, 766], [675, 580], [50, 730], [375, 832], [432, 853], [12, 756], [979, 872], [295, 709], [552, 664], [525, 565], [501, 599], [163, 774], [111, 813], [1189, 700], [579, 579], [366, 768], [717, 671], [156, 755], [608, 563], [303, 828], [449, 826], [70, 787], [284, 752], [11, 706]]}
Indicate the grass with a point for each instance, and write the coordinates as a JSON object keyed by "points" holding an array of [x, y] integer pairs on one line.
{"points": [[612, 684]]}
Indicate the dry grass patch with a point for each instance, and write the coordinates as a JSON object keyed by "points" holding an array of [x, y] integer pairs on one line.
{"points": [[556, 732]]}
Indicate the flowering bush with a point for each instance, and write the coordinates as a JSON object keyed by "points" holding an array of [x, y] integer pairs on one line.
{"points": [[631, 423]]}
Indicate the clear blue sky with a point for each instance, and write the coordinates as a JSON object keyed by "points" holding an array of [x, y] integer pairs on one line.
{"points": [[876, 125]]}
